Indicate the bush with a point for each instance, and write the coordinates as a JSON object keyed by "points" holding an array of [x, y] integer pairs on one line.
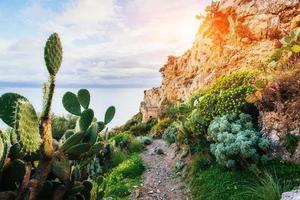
{"points": [[61, 124], [170, 134], [172, 110], [143, 128], [158, 130], [117, 157], [122, 140], [124, 177], [136, 119], [291, 142], [136, 146], [235, 141], [226, 94]]}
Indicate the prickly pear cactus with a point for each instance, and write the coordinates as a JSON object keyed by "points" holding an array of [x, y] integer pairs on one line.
{"points": [[8, 103], [84, 98], [3, 152], [53, 54], [27, 127]]}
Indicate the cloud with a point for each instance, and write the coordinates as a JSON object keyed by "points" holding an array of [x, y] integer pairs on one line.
{"points": [[106, 42]]}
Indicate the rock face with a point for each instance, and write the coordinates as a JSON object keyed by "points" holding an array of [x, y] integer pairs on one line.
{"points": [[234, 34]]}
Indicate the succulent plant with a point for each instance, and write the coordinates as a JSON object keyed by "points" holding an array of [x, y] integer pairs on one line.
{"points": [[62, 165], [53, 54], [27, 127]]}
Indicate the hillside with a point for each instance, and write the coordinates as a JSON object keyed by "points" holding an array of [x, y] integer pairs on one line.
{"points": [[234, 34]]}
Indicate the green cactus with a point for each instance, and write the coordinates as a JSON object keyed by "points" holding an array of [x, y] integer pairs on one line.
{"points": [[72, 140], [14, 172], [3, 152], [109, 115], [62, 170], [15, 151], [8, 103], [71, 103], [86, 119], [91, 133], [53, 54], [27, 127], [101, 126], [54, 173], [68, 134], [84, 98], [78, 149]]}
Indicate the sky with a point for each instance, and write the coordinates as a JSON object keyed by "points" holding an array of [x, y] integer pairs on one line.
{"points": [[107, 43]]}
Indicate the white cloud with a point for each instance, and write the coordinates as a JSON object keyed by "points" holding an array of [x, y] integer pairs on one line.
{"points": [[106, 41]]}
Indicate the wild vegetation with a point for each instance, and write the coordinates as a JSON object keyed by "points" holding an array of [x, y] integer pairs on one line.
{"points": [[225, 153]]}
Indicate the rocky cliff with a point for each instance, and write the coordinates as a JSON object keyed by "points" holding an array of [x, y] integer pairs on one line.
{"points": [[234, 34]]}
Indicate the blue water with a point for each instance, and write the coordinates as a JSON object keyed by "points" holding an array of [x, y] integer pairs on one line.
{"points": [[126, 101]]}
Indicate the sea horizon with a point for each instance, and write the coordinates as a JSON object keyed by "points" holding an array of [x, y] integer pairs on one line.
{"points": [[126, 100]]}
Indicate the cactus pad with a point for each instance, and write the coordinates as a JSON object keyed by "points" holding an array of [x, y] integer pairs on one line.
{"points": [[53, 54], [72, 140], [8, 103], [62, 170], [84, 98], [109, 115], [101, 126], [71, 103], [92, 133], [86, 118], [77, 150], [27, 127], [3, 152]]}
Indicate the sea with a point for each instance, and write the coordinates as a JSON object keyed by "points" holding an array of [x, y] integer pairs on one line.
{"points": [[126, 101]]}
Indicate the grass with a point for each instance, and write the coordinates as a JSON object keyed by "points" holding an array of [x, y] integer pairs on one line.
{"points": [[124, 177], [216, 182], [267, 188]]}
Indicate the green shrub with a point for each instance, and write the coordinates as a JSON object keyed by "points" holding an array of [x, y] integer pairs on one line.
{"points": [[226, 94], [136, 146], [170, 134], [235, 141], [122, 140], [143, 128], [124, 177], [158, 130], [117, 157], [172, 111], [291, 142], [61, 124], [136, 119]]}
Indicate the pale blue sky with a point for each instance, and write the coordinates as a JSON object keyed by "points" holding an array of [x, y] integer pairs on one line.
{"points": [[106, 43]]}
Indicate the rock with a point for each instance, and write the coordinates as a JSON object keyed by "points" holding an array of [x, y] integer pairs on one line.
{"points": [[159, 151], [146, 140], [292, 195]]}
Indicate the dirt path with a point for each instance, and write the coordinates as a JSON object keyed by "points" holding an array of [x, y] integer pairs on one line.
{"points": [[160, 182]]}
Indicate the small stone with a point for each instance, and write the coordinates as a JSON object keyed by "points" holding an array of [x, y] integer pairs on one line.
{"points": [[159, 151]]}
